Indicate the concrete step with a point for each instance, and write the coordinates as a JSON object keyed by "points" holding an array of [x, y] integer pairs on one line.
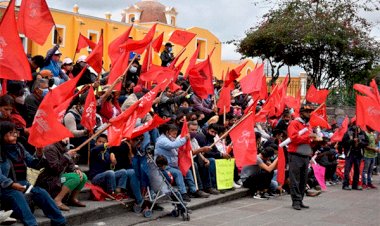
{"points": [[96, 211]]}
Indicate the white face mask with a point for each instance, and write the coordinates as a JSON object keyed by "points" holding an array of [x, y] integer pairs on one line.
{"points": [[133, 69], [20, 99]]}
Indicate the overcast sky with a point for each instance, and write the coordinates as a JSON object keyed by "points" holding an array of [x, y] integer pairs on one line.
{"points": [[227, 19]]}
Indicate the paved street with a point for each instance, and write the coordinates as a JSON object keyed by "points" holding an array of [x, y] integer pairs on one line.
{"points": [[333, 207]]}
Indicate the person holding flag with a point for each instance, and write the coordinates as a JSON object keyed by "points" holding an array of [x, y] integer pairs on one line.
{"points": [[167, 145], [299, 153], [167, 55]]}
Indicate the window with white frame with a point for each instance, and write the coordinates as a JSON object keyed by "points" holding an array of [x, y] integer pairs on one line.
{"points": [[59, 31], [93, 36]]}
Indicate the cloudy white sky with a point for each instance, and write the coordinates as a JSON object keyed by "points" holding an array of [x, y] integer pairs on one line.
{"points": [[227, 19]]}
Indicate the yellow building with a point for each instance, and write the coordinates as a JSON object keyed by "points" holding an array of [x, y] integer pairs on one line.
{"points": [[142, 15]]}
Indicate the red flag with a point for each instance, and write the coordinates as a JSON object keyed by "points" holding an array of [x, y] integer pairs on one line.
{"points": [[316, 96], [13, 62], [157, 43], [294, 102], [83, 42], [224, 102], [375, 90], [339, 133], [319, 117], [129, 126], [367, 113], [98, 192], [95, 59], [184, 152], [139, 46], [146, 102], [35, 20], [174, 87], [114, 49], [200, 78], [148, 126], [118, 124], [244, 141], [181, 38], [234, 74], [370, 91], [89, 111], [45, 129], [147, 60], [193, 61], [64, 91], [253, 81], [281, 166], [264, 88], [4, 89], [157, 74], [118, 69]]}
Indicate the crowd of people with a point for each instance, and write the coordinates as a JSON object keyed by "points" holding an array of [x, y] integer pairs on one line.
{"points": [[122, 171]]}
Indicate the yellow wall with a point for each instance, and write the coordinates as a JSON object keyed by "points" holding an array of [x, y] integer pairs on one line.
{"points": [[75, 23]]}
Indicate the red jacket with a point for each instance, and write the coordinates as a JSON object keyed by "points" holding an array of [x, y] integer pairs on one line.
{"points": [[294, 127]]}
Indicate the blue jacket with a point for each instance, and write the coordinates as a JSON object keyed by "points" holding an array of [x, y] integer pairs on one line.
{"points": [[13, 152], [168, 148]]}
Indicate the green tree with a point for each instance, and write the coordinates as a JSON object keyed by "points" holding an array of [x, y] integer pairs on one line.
{"points": [[327, 38]]}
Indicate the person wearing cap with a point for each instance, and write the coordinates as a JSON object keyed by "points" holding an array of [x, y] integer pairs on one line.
{"points": [[87, 77], [299, 153], [51, 63], [67, 67], [167, 55]]}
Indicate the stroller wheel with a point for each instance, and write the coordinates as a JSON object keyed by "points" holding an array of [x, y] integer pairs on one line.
{"points": [[175, 213], [137, 208], [147, 213], [185, 217]]}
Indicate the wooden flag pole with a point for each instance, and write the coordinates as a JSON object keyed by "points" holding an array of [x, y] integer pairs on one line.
{"points": [[192, 165], [236, 124], [224, 115]]}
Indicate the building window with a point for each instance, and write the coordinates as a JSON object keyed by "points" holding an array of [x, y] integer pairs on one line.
{"points": [[173, 20], [93, 36], [131, 18], [59, 31], [202, 43], [24, 42]]}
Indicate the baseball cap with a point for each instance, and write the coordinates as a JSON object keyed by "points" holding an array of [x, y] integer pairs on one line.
{"points": [[82, 59], [67, 61], [57, 52]]}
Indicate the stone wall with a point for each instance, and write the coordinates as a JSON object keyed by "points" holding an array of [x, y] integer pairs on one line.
{"points": [[339, 113]]}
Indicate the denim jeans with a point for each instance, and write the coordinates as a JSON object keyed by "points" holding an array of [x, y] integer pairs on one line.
{"points": [[119, 179], [212, 170], [367, 171], [17, 202], [110, 180], [180, 180], [140, 165]]}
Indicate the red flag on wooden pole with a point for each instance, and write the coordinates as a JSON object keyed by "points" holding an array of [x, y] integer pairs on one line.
{"points": [[114, 49], [339, 133], [14, 64], [184, 156], [35, 20], [181, 38], [83, 42], [244, 141], [95, 59], [89, 111], [316, 96]]}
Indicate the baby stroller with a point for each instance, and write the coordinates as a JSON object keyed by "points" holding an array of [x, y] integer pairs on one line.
{"points": [[160, 185]]}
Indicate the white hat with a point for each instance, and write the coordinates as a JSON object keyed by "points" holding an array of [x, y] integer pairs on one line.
{"points": [[67, 60], [57, 52], [236, 93], [82, 59]]}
